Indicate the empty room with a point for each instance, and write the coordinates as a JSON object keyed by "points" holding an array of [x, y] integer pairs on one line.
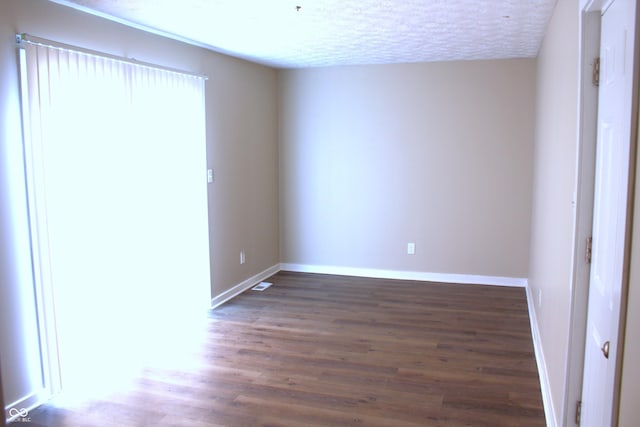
{"points": [[319, 213]]}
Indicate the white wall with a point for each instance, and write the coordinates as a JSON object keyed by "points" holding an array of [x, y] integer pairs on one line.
{"points": [[440, 154], [553, 186], [241, 102]]}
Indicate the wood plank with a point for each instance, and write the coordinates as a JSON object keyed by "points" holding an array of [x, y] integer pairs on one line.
{"points": [[319, 350]]}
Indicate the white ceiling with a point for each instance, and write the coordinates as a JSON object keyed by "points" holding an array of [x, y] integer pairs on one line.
{"points": [[341, 32]]}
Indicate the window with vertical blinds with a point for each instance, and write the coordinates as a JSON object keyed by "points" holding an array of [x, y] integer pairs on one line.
{"points": [[116, 178]]}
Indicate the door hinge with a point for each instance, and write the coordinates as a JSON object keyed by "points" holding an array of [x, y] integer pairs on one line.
{"points": [[596, 72], [588, 251], [578, 411]]}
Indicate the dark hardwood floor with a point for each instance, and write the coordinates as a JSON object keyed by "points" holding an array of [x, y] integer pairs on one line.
{"points": [[318, 350]]}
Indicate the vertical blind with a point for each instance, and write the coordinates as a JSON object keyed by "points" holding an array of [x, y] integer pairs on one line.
{"points": [[116, 178]]}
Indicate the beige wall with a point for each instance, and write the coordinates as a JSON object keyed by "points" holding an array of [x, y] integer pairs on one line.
{"points": [[630, 384], [374, 157], [242, 149], [553, 186], [241, 104]]}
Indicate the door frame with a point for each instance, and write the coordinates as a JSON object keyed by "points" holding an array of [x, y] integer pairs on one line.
{"points": [[43, 290], [589, 48]]}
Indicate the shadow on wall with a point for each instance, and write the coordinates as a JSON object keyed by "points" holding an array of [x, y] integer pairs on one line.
{"points": [[2, 420]]}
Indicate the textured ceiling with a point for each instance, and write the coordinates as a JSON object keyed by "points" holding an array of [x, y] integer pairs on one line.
{"points": [[342, 32]]}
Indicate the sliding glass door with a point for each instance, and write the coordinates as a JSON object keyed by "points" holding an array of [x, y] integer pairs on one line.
{"points": [[116, 176]]}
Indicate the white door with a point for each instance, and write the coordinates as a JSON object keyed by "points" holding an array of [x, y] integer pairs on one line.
{"points": [[610, 212]]}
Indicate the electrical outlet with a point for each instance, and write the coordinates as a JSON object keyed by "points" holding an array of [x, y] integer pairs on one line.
{"points": [[411, 248], [243, 259]]}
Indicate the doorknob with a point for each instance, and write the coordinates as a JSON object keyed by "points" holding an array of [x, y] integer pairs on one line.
{"points": [[605, 349]]}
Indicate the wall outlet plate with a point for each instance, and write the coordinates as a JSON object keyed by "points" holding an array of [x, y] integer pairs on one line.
{"points": [[411, 248]]}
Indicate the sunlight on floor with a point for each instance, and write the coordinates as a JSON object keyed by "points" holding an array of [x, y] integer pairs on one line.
{"points": [[108, 356]]}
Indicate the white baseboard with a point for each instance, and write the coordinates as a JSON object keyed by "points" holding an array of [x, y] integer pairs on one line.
{"points": [[466, 279], [547, 401], [367, 272], [19, 410], [244, 285]]}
